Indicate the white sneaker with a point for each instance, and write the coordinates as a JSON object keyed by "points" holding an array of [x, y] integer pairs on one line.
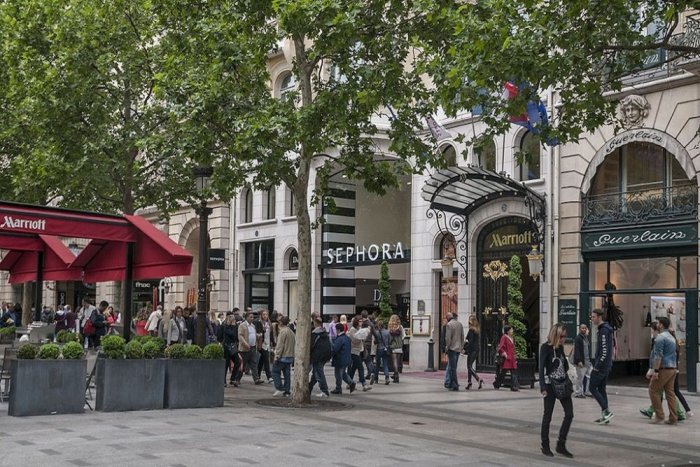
{"points": [[321, 395], [270, 381], [278, 393], [689, 413]]}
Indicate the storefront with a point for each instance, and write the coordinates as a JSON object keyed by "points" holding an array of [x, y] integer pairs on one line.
{"points": [[258, 273]]}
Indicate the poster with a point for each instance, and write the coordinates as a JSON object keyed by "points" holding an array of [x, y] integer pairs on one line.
{"points": [[674, 309], [420, 325]]}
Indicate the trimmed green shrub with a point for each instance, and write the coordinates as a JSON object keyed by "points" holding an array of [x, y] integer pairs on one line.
{"points": [[113, 346], [49, 352], [213, 351], [133, 350], [175, 351], [160, 342], [10, 330], [63, 336], [26, 352], [151, 350], [193, 352], [141, 339], [73, 351]]}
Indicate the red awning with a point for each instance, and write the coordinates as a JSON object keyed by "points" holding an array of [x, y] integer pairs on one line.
{"points": [[155, 256], [22, 260]]}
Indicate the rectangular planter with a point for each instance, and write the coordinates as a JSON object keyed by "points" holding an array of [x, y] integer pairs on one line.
{"points": [[194, 384], [46, 387], [124, 385]]}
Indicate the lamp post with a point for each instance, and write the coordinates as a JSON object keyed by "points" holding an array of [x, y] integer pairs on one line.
{"points": [[202, 176], [534, 261]]}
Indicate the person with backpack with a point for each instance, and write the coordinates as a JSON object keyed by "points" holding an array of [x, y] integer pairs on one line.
{"points": [[321, 353], [382, 338], [342, 359], [602, 364]]}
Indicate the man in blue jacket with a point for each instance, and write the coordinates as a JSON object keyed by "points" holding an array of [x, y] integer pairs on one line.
{"points": [[602, 364], [342, 358]]}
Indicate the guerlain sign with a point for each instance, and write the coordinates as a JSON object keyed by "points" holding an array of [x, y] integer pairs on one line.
{"points": [[653, 237], [644, 135]]}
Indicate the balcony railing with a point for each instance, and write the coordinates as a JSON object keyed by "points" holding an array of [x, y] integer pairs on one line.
{"points": [[690, 37], [640, 207]]}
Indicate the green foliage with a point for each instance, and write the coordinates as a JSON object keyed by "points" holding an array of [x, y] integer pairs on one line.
{"points": [[152, 350], [134, 350], [10, 330], [213, 351], [26, 352], [160, 342], [72, 350], [64, 336], [113, 346], [193, 352], [385, 292], [49, 352], [175, 351], [515, 306]]}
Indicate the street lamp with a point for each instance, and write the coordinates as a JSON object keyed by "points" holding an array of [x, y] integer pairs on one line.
{"points": [[447, 268], [202, 175], [534, 261]]}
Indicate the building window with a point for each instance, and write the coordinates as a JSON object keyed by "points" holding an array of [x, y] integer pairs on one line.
{"points": [[287, 86], [269, 205], [247, 214], [292, 262], [529, 157], [290, 204], [447, 247], [486, 155], [449, 155]]}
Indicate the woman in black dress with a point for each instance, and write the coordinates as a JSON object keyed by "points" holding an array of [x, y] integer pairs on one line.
{"points": [[472, 349]]}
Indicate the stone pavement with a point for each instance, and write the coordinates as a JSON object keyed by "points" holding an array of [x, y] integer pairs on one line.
{"points": [[416, 422]]}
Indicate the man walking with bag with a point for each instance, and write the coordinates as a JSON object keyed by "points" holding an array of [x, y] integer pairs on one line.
{"points": [[664, 365], [454, 340], [602, 365], [582, 361]]}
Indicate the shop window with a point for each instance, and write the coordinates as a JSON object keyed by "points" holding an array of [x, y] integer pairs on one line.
{"points": [[529, 157], [644, 273], [487, 156], [247, 204], [292, 260], [449, 155], [269, 203]]}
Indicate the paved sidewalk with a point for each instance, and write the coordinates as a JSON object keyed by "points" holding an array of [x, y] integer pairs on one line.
{"points": [[416, 422]]}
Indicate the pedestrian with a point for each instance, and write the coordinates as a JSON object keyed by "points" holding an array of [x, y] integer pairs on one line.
{"points": [[357, 339], [70, 319], [397, 335], [321, 353], [443, 350], [176, 331], [332, 332], [676, 384], [229, 339], [553, 369], [472, 348], [664, 365], [602, 364], [263, 326], [344, 322], [60, 320], [247, 341], [140, 322], [582, 361], [342, 359], [506, 351], [454, 341], [369, 345], [382, 338], [284, 357]]}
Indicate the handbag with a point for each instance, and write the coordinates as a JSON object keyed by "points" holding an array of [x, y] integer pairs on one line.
{"points": [[88, 328], [559, 379], [499, 359]]}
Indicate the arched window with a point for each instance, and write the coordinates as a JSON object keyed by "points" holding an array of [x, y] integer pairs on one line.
{"points": [[447, 248], [449, 154], [287, 86], [529, 157], [247, 205], [269, 205], [486, 155]]}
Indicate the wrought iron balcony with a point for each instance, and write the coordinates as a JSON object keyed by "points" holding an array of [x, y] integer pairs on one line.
{"points": [[690, 37], [640, 207]]}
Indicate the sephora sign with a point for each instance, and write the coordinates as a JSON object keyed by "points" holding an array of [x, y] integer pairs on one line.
{"points": [[364, 255]]}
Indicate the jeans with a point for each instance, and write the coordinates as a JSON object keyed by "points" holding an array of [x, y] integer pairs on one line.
{"points": [[471, 364], [597, 386], [664, 381], [250, 360], [317, 375], [582, 375], [453, 359], [383, 361], [369, 364], [341, 374], [549, 402], [280, 368], [264, 362], [357, 365]]}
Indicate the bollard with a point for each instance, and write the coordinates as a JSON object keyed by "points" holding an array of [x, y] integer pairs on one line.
{"points": [[431, 355]]}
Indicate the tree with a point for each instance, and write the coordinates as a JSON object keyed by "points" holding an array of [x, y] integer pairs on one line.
{"points": [[578, 49], [515, 306], [385, 292]]}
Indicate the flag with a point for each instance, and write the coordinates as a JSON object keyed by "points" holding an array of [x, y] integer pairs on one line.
{"points": [[534, 116], [438, 131]]}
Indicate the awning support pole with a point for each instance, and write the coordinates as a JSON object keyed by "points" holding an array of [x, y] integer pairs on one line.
{"points": [[128, 284], [39, 285]]}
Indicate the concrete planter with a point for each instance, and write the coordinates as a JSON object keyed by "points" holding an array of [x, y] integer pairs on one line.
{"points": [[194, 384], [527, 369], [124, 385], [46, 387]]}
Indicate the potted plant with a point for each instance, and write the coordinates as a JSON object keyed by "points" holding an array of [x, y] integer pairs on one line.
{"points": [[129, 376], [64, 336], [194, 377], [7, 335], [526, 366], [44, 384]]}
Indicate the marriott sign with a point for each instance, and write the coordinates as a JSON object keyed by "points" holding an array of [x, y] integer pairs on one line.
{"points": [[10, 222]]}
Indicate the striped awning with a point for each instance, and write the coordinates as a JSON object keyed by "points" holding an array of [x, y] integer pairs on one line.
{"points": [[461, 190]]}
